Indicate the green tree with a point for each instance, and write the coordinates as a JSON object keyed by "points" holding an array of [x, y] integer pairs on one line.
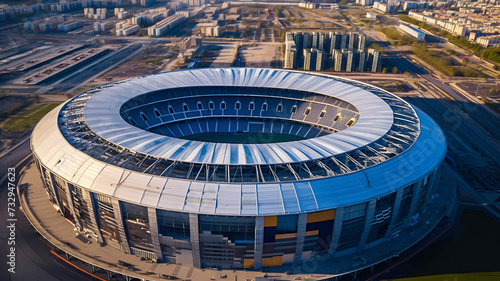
{"points": [[394, 70], [244, 34], [384, 70], [431, 58], [377, 47]]}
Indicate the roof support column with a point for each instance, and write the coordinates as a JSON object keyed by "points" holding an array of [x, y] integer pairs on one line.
{"points": [[370, 212], [301, 236], [337, 229], [417, 189], [433, 179], [54, 190], [153, 227], [119, 221], [259, 242], [195, 239], [395, 210], [69, 195], [93, 214]]}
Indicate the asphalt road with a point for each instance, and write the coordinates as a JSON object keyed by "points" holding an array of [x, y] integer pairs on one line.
{"points": [[33, 258], [403, 64], [463, 105], [75, 79], [471, 131], [346, 18]]}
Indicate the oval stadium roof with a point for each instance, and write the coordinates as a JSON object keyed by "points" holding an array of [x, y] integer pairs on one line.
{"points": [[390, 146]]}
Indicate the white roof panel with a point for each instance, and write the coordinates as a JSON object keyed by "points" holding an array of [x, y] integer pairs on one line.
{"points": [[269, 199], [174, 194], [228, 199], [209, 198], [193, 197], [102, 114]]}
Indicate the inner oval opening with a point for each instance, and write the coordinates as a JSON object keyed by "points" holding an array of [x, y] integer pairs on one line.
{"points": [[229, 114]]}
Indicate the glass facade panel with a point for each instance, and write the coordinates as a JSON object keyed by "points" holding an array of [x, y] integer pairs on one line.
{"points": [[45, 175], [320, 224], [226, 241], [382, 218], [354, 211], [173, 224], [136, 222], [174, 236], [106, 217], [60, 187], [80, 206], [404, 208], [287, 224], [426, 182], [280, 239], [350, 234]]}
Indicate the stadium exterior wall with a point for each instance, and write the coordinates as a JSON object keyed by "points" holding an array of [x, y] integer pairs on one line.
{"points": [[171, 236], [246, 241]]}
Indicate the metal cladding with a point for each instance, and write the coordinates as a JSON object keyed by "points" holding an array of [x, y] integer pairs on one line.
{"points": [[119, 161]]}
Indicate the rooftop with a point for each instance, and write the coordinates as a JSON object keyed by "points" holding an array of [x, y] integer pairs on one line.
{"points": [[94, 147]]}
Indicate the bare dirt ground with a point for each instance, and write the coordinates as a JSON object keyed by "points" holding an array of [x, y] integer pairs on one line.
{"points": [[260, 55], [152, 60], [8, 103], [319, 19]]}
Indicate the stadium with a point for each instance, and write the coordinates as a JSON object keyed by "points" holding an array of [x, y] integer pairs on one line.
{"points": [[240, 168]]}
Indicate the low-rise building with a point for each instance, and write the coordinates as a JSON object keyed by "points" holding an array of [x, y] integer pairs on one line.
{"points": [[125, 29], [410, 5], [366, 2], [308, 5], [415, 33], [165, 25], [210, 29], [102, 26], [194, 3], [489, 41], [68, 26]]}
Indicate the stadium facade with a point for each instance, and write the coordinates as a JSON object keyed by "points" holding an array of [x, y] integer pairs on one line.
{"points": [[239, 167]]}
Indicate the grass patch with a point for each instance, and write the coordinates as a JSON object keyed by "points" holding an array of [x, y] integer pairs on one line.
{"points": [[396, 38], [28, 118], [443, 62], [159, 60], [243, 137], [433, 59], [393, 86], [467, 72]]}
